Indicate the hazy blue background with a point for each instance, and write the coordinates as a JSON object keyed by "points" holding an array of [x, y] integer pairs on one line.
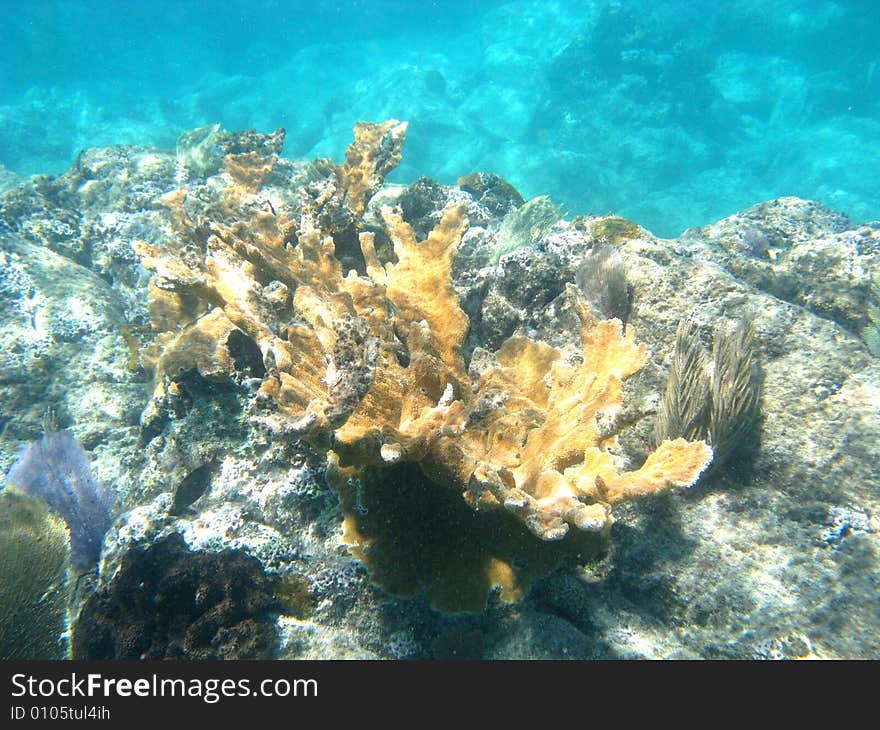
{"points": [[674, 113]]}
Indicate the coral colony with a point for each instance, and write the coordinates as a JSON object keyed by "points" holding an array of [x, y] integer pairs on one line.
{"points": [[286, 355], [368, 365]]}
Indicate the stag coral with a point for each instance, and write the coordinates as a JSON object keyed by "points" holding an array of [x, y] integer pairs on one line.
{"points": [[369, 366]]}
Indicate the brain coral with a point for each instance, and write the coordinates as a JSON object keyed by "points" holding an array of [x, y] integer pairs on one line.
{"points": [[368, 366]]}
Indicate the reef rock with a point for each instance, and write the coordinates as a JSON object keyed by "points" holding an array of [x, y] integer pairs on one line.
{"points": [[773, 554]]}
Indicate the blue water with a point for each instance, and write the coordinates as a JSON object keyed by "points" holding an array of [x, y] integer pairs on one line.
{"points": [[674, 114]]}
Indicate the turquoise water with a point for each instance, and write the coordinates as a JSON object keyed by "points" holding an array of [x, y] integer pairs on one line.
{"points": [[674, 114]]}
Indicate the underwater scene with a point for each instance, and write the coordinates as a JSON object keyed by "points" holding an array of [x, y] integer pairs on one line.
{"points": [[466, 329]]}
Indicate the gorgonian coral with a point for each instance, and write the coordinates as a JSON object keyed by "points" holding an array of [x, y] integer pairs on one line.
{"points": [[369, 366], [56, 471]]}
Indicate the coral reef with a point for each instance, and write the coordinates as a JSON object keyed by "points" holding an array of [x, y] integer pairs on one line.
{"points": [[734, 567], [33, 579], [371, 367], [168, 602]]}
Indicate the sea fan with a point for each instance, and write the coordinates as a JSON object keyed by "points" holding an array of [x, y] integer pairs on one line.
{"points": [[56, 471]]}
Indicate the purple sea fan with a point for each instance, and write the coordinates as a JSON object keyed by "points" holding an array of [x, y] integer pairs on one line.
{"points": [[56, 471]]}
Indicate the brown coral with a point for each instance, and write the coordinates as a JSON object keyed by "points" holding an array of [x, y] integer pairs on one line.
{"points": [[369, 365], [166, 601]]}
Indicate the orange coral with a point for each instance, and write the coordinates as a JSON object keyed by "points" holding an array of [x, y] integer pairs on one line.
{"points": [[370, 365]]}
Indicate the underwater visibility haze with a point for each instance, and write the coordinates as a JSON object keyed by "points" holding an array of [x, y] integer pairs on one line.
{"points": [[673, 114], [485, 329]]}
